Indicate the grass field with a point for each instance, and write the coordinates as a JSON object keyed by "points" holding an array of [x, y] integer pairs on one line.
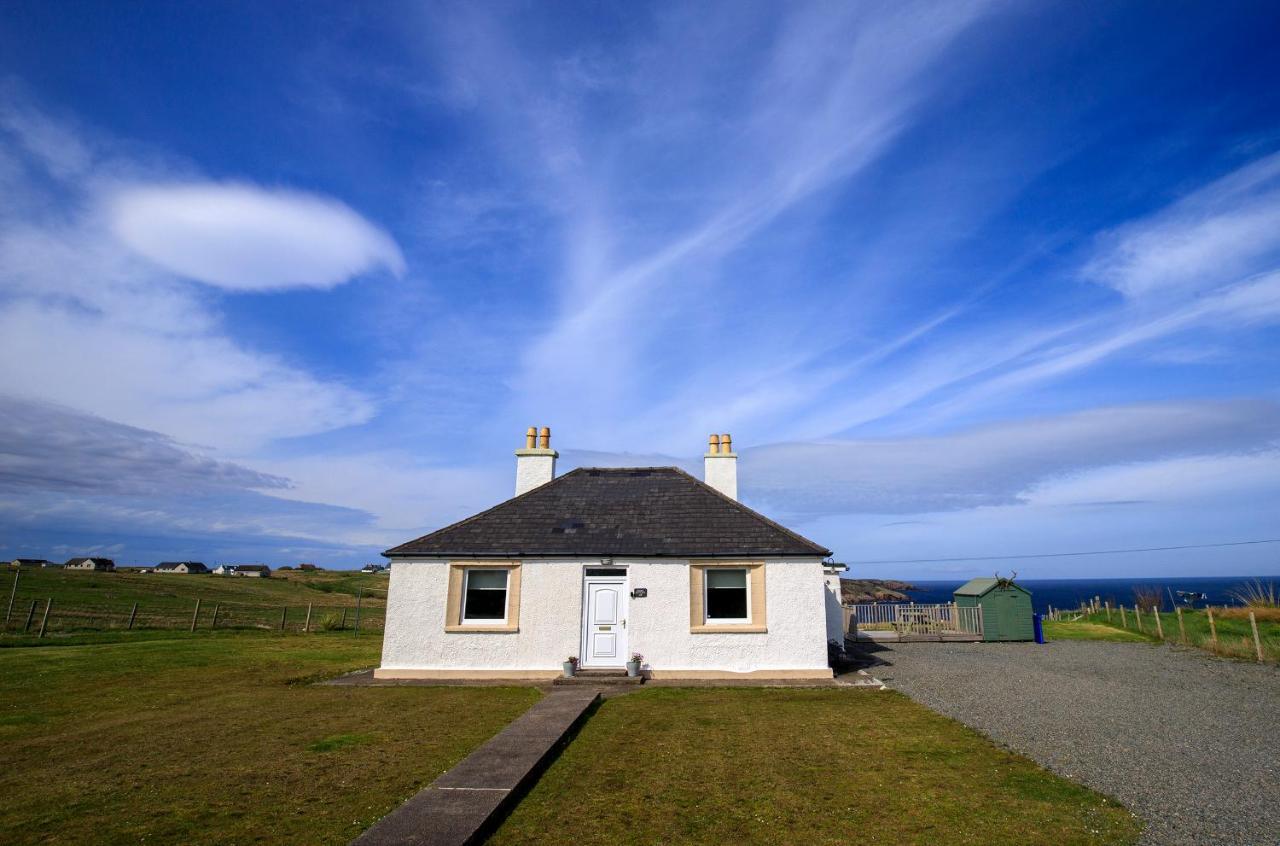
{"points": [[93, 601], [1235, 637], [215, 738], [776, 766]]}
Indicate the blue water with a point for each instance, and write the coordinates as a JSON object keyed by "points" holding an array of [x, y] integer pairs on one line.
{"points": [[1069, 593]]}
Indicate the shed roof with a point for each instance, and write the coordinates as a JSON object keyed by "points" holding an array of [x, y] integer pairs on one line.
{"points": [[978, 587], [642, 511]]}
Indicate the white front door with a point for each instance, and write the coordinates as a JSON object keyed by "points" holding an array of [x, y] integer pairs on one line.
{"points": [[605, 623]]}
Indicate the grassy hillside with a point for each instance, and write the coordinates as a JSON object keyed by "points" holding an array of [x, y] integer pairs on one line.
{"points": [[91, 600]]}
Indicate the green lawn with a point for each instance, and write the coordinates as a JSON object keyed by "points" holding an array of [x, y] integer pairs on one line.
{"points": [[778, 766], [216, 738], [1083, 630], [85, 601], [1235, 637]]}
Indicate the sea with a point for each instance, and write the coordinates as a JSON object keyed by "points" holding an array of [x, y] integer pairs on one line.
{"points": [[1069, 593]]}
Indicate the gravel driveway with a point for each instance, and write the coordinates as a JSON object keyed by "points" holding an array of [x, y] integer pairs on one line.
{"points": [[1188, 742]]}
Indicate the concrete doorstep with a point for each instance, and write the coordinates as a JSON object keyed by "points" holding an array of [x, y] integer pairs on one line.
{"points": [[465, 804]]}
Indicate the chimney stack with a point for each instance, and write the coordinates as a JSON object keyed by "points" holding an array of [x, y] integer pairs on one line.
{"points": [[721, 465], [536, 463]]}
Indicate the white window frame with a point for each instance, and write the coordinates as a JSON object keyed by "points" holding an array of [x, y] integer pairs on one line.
{"points": [[706, 589], [506, 597]]}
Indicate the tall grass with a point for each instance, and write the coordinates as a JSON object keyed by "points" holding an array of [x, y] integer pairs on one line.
{"points": [[1148, 598], [1262, 598]]}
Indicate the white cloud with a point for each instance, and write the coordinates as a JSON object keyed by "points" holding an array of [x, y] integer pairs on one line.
{"points": [[1216, 235], [245, 238], [96, 327], [997, 464]]}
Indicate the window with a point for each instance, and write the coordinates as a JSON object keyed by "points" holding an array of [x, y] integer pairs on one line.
{"points": [[485, 596], [727, 596]]}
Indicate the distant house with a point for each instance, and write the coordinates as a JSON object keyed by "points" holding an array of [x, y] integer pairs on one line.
{"points": [[181, 567], [224, 570], [31, 562], [259, 571], [308, 567], [105, 564], [373, 568]]}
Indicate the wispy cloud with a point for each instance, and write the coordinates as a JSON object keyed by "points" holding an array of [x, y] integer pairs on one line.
{"points": [[1213, 236]]}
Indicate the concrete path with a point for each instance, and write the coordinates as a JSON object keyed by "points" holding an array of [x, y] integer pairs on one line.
{"points": [[1189, 742], [463, 805]]}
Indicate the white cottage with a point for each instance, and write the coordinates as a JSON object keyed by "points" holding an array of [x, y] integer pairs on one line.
{"points": [[603, 562]]}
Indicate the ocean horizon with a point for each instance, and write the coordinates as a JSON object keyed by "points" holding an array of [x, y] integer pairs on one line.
{"points": [[1069, 593]]}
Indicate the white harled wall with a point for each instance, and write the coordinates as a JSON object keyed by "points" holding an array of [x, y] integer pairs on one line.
{"points": [[658, 625]]}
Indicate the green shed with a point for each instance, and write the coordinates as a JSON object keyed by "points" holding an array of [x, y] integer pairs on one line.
{"points": [[1006, 608]]}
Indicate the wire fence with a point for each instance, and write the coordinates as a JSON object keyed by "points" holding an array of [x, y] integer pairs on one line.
{"points": [[42, 616]]}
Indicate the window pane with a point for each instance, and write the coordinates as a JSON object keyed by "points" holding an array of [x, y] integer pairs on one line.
{"points": [[727, 604], [726, 578], [486, 579], [726, 594], [486, 597]]}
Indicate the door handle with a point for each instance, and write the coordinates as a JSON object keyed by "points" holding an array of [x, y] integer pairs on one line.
{"points": [[624, 622]]}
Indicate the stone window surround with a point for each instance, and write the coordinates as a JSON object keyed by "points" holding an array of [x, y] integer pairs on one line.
{"points": [[457, 578], [697, 590]]}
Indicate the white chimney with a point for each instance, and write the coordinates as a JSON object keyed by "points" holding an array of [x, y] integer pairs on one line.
{"points": [[536, 463], [721, 466]]}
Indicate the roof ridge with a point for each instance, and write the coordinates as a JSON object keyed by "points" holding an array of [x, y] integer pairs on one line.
{"points": [[751, 511]]}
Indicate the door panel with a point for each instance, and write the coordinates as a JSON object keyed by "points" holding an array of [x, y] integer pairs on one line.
{"points": [[605, 635]]}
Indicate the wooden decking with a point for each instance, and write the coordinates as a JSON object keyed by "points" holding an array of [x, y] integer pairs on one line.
{"points": [[908, 622]]}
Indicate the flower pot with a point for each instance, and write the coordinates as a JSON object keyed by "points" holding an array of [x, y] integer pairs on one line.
{"points": [[633, 668], [569, 667]]}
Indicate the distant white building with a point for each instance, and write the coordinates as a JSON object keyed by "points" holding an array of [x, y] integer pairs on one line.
{"points": [[252, 571], [102, 564], [181, 567]]}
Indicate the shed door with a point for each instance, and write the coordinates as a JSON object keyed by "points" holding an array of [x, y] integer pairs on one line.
{"points": [[605, 623]]}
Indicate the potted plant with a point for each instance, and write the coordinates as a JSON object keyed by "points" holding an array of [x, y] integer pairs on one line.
{"points": [[633, 666], [570, 666]]}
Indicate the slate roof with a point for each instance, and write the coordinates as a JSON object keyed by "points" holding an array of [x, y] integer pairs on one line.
{"points": [[642, 511]]}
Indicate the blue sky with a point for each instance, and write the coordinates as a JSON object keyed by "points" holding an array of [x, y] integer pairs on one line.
{"points": [[287, 282]]}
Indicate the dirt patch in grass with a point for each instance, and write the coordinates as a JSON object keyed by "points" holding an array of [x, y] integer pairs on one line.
{"points": [[204, 740], [798, 766]]}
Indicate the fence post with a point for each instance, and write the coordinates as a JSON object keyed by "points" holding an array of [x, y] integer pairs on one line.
{"points": [[1182, 628], [217, 606], [1124, 622], [133, 615], [359, 593], [1257, 644], [343, 624], [1213, 630], [284, 612], [1108, 610], [1137, 616], [31, 614], [195, 615], [44, 621], [13, 593], [306, 626], [1159, 625]]}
